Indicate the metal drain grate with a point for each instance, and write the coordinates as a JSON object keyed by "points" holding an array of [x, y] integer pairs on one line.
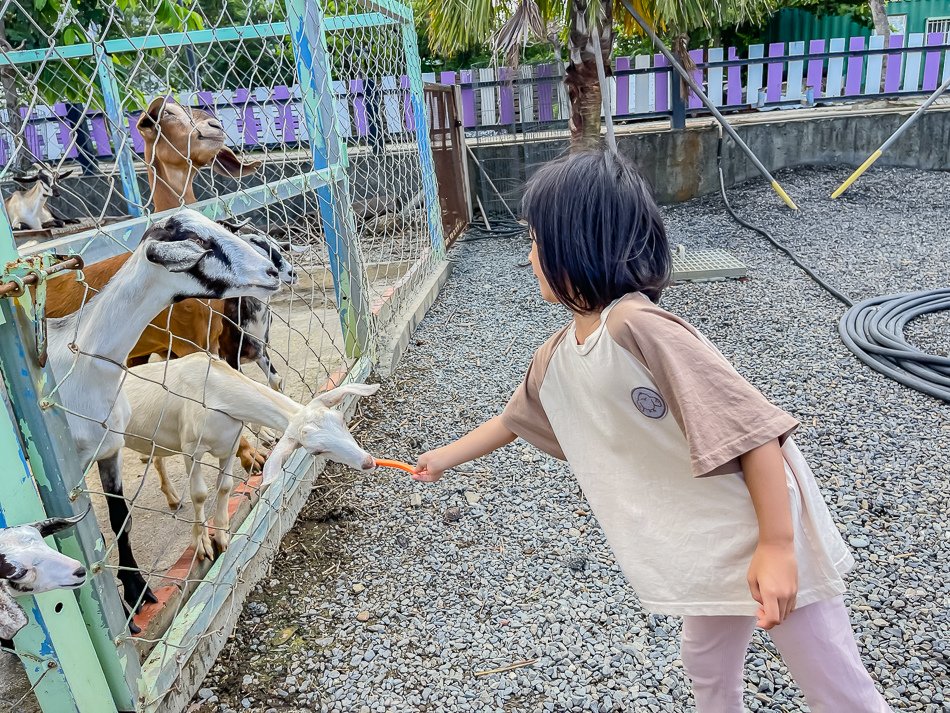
{"points": [[696, 265]]}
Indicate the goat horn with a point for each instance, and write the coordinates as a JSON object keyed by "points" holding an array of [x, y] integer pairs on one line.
{"points": [[55, 524], [234, 224]]}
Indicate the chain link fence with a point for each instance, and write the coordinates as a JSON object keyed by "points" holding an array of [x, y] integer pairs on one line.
{"points": [[298, 129]]}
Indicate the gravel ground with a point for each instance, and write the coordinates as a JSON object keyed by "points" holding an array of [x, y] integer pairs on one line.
{"points": [[395, 596]]}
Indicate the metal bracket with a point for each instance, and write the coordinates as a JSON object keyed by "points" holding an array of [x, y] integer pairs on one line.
{"points": [[33, 271]]}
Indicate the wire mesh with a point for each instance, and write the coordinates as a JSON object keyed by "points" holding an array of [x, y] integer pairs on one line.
{"points": [[153, 121]]}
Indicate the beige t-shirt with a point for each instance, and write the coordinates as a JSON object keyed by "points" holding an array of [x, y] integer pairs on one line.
{"points": [[652, 420]]}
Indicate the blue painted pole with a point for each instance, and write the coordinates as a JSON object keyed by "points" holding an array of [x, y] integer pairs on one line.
{"points": [[119, 131], [306, 22], [426, 165]]}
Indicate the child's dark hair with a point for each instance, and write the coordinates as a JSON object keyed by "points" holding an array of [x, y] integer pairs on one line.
{"points": [[598, 230]]}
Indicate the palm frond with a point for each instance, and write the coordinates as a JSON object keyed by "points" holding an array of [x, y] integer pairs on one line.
{"points": [[456, 25], [525, 23]]}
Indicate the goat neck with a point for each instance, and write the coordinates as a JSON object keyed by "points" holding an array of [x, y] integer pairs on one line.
{"points": [[112, 322], [171, 186]]}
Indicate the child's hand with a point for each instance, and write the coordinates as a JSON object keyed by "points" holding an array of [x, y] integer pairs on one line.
{"points": [[431, 466], [773, 581]]}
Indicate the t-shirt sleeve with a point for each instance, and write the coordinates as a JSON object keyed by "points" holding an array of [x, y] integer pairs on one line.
{"points": [[721, 414], [524, 415]]}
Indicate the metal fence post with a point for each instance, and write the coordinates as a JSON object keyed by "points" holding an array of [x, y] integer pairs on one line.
{"points": [[63, 657], [417, 98], [118, 131], [677, 104], [306, 23]]}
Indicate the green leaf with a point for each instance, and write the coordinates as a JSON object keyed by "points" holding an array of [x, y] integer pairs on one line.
{"points": [[38, 5]]}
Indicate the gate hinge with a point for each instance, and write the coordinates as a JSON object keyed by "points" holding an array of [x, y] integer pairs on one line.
{"points": [[26, 272]]}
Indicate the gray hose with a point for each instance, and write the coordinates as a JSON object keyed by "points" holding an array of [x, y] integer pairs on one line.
{"points": [[874, 329]]}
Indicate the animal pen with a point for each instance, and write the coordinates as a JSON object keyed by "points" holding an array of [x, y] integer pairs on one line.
{"points": [[324, 153]]}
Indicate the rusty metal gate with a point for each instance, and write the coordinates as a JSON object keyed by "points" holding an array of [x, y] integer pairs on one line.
{"points": [[448, 153]]}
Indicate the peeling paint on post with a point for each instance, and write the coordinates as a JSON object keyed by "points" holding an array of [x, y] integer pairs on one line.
{"points": [[306, 22]]}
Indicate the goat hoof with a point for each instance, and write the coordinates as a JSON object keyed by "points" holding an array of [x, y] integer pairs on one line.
{"points": [[221, 541], [135, 590], [203, 548], [133, 627]]}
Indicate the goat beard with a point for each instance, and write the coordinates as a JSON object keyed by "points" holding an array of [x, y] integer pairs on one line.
{"points": [[12, 618]]}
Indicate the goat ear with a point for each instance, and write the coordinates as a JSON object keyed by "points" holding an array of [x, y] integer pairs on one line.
{"points": [[334, 396], [65, 174], [287, 246], [227, 163], [55, 524], [149, 118], [10, 570], [175, 255], [274, 465], [12, 618]]}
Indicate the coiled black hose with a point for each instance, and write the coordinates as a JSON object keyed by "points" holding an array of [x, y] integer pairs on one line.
{"points": [[874, 329]]}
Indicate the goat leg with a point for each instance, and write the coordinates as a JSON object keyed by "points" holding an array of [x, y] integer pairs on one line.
{"points": [[199, 496], [222, 517], [274, 379], [252, 460], [168, 489], [55, 223], [135, 589]]}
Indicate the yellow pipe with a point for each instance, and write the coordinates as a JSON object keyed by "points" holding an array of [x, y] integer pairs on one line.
{"points": [[783, 195], [857, 174]]}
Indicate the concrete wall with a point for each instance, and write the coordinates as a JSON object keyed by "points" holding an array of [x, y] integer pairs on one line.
{"points": [[682, 165]]}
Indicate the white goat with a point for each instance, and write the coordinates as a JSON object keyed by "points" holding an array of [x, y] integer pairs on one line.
{"points": [[187, 255], [197, 405], [27, 209], [30, 566]]}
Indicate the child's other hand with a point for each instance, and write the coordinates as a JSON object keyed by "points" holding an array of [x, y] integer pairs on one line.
{"points": [[431, 466], [773, 581]]}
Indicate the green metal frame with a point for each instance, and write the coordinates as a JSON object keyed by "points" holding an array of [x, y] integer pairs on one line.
{"points": [[76, 648]]}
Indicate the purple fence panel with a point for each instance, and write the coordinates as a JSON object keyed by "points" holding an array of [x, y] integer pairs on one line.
{"points": [[100, 135], [205, 100], [662, 84], [546, 91], [507, 94], [359, 106], [733, 80], [138, 143], [447, 78], [852, 82], [408, 116], [892, 80], [65, 133], [932, 62], [286, 121], [248, 123], [694, 101], [816, 67], [774, 73], [34, 141], [468, 98], [623, 86]]}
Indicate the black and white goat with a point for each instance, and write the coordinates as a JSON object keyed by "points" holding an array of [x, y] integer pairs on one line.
{"points": [[247, 320], [187, 255], [27, 209], [29, 566]]}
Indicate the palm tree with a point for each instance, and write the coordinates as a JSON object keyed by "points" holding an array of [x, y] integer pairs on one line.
{"points": [[455, 25]]}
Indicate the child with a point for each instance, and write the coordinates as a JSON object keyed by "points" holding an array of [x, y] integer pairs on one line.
{"points": [[708, 505]]}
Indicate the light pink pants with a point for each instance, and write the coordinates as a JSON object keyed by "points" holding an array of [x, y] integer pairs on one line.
{"points": [[816, 643]]}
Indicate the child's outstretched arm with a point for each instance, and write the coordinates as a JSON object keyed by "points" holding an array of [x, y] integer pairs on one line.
{"points": [[488, 437], [773, 573]]}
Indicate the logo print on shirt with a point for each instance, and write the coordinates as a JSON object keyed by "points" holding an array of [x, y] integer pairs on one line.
{"points": [[650, 403]]}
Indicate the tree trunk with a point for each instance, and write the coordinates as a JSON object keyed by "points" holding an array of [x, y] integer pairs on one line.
{"points": [[11, 99], [882, 26], [580, 77], [879, 15]]}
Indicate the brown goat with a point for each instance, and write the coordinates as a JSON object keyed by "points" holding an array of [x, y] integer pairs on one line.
{"points": [[179, 141]]}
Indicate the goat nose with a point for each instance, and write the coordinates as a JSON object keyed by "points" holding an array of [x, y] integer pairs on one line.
{"points": [[368, 463], [80, 573], [272, 272]]}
